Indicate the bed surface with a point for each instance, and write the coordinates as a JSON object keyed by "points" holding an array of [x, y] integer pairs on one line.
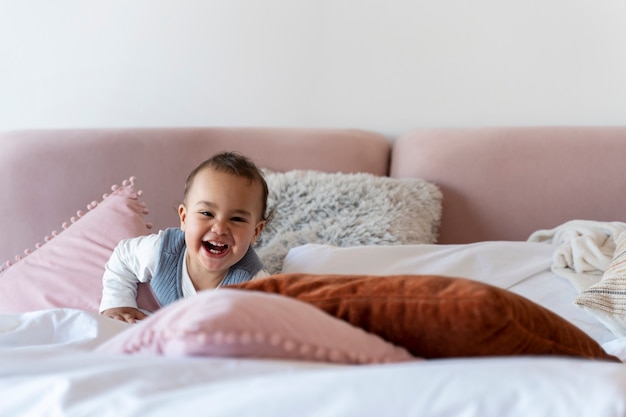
{"points": [[59, 368]]}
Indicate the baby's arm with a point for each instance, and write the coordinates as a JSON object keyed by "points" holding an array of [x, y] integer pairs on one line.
{"points": [[132, 261]]}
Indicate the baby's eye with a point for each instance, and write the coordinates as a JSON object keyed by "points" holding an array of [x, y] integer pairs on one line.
{"points": [[239, 219], [206, 213]]}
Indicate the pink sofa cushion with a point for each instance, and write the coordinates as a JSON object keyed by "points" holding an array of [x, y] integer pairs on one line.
{"points": [[504, 183], [67, 270]]}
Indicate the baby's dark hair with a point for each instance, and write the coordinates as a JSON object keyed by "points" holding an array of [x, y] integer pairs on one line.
{"points": [[232, 163]]}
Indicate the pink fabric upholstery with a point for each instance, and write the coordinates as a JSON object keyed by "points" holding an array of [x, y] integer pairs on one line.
{"points": [[498, 183], [505, 183], [48, 175]]}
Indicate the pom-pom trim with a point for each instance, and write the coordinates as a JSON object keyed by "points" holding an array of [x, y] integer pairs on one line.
{"points": [[127, 184]]}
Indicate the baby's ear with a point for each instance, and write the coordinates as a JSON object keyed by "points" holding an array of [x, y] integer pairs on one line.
{"points": [[258, 229], [182, 214]]}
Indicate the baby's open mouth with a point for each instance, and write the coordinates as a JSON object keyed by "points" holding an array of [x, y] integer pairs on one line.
{"points": [[215, 247]]}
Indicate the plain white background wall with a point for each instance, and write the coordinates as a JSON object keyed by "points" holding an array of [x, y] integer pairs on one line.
{"points": [[384, 65]]}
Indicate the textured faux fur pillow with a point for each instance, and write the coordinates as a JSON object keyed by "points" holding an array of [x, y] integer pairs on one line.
{"points": [[346, 210], [436, 316]]}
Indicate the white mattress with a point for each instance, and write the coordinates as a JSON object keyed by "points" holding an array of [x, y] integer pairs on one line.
{"points": [[49, 369]]}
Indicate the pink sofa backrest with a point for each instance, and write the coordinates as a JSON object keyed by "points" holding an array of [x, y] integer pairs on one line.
{"points": [[48, 175], [505, 183]]}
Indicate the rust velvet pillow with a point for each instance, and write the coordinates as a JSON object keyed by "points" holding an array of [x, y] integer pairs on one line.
{"points": [[436, 316]]}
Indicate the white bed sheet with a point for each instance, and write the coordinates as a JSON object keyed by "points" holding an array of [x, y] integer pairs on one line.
{"points": [[48, 368], [64, 378], [70, 380]]}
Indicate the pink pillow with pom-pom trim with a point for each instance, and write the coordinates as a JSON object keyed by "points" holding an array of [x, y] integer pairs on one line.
{"points": [[250, 324], [66, 271]]}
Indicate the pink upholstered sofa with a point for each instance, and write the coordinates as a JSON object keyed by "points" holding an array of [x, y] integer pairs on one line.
{"points": [[498, 183]]}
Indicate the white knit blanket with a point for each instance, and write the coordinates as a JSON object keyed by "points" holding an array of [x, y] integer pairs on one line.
{"points": [[584, 250]]}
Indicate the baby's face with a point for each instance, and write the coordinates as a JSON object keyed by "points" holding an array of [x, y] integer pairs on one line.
{"points": [[221, 217]]}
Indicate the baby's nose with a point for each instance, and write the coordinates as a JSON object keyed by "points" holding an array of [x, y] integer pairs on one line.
{"points": [[220, 227]]}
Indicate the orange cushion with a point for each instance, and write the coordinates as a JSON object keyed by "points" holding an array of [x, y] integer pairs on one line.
{"points": [[436, 316]]}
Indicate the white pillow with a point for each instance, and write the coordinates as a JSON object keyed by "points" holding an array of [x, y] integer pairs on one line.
{"points": [[346, 210], [521, 267]]}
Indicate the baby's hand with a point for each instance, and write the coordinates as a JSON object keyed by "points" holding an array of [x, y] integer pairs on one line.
{"points": [[127, 314]]}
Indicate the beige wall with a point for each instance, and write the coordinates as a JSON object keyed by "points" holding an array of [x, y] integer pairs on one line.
{"points": [[385, 65]]}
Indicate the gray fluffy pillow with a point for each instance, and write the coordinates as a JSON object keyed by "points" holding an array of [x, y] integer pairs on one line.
{"points": [[346, 210]]}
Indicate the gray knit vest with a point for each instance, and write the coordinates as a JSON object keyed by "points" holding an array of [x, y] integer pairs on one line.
{"points": [[166, 283]]}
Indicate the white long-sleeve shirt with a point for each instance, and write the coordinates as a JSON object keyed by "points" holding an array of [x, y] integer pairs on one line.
{"points": [[134, 261]]}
